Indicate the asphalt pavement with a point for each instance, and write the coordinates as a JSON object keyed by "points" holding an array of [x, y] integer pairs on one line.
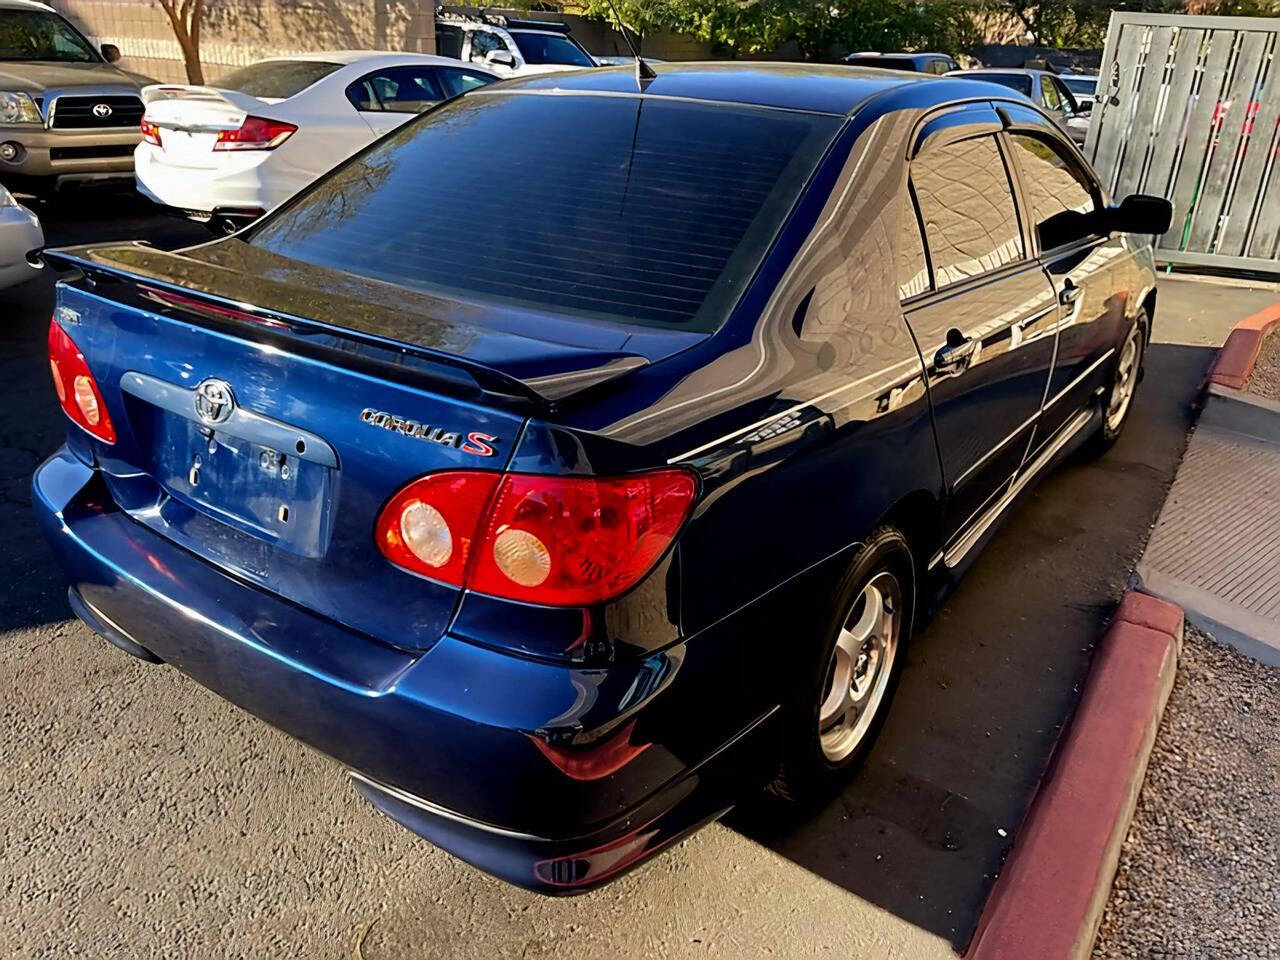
{"points": [[142, 816]]}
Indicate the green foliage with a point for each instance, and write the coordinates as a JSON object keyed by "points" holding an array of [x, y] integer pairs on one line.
{"points": [[820, 29]]}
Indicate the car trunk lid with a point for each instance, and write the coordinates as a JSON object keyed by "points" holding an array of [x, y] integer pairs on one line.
{"points": [[191, 117], [267, 443]]}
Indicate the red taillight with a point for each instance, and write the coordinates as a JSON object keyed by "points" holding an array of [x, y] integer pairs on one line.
{"points": [[558, 541], [436, 543], [255, 133], [77, 390], [151, 133]]}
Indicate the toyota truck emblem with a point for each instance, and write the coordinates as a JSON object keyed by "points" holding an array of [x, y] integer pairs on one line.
{"points": [[102, 110], [214, 402]]}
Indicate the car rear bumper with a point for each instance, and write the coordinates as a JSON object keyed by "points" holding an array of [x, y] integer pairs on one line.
{"points": [[443, 741], [239, 183], [69, 154]]}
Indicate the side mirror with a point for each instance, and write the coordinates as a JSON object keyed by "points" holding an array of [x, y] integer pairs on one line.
{"points": [[1141, 213], [1084, 108], [500, 58], [110, 52]]}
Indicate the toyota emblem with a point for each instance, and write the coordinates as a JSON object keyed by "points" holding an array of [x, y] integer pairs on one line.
{"points": [[102, 110], [214, 402]]}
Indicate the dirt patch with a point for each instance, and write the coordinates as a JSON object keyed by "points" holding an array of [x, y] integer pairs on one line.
{"points": [[1197, 875], [1265, 381]]}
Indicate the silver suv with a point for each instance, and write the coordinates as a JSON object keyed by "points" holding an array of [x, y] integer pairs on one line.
{"points": [[67, 113]]}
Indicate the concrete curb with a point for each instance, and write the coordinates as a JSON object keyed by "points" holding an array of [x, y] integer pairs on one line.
{"points": [[1049, 899], [1234, 364]]}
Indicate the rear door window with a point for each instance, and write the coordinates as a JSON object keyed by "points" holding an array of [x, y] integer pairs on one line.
{"points": [[409, 89], [276, 79], [654, 211], [966, 202]]}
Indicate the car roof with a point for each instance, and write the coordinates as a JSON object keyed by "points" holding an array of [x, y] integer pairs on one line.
{"points": [[821, 88], [346, 57], [25, 5]]}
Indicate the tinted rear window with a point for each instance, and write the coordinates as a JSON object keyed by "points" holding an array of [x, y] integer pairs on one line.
{"points": [[276, 79], [1013, 81], [643, 210]]}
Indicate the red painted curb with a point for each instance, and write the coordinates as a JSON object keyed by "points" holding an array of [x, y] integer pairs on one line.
{"points": [[1050, 896], [1234, 364]]}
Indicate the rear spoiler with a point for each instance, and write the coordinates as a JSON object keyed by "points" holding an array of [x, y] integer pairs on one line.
{"points": [[157, 92], [305, 335]]}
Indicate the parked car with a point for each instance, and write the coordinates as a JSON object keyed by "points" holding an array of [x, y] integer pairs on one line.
{"points": [[20, 238], [508, 46], [934, 63], [225, 153], [1045, 89], [67, 114], [564, 532]]}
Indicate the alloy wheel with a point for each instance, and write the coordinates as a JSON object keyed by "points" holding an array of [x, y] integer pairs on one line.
{"points": [[860, 667], [1126, 381]]}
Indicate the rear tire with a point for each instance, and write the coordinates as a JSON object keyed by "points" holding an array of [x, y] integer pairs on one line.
{"points": [[1118, 402], [839, 698]]}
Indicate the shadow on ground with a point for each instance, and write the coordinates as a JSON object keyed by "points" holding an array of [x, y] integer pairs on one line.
{"points": [[924, 828]]}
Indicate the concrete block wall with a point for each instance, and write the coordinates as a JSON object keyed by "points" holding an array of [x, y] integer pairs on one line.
{"points": [[238, 32]]}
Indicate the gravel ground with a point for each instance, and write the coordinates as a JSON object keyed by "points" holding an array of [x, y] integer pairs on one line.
{"points": [[1266, 375], [1198, 875]]}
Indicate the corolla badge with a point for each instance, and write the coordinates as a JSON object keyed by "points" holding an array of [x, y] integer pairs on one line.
{"points": [[214, 401], [102, 110], [475, 443]]}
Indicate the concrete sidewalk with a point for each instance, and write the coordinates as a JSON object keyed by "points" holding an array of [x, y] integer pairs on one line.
{"points": [[1215, 550]]}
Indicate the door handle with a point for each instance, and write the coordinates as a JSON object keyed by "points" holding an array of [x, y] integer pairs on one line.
{"points": [[1069, 293], [956, 355]]}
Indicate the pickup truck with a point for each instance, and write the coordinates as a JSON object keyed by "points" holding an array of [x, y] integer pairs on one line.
{"points": [[67, 113]]}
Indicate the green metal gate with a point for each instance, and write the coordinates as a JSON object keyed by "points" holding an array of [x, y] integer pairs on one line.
{"points": [[1189, 109]]}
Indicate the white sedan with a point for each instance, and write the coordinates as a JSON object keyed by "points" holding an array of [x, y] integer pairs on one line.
{"points": [[227, 153], [20, 233]]}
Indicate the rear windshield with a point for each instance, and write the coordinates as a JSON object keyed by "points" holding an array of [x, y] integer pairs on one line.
{"points": [[625, 208], [1014, 81], [276, 79]]}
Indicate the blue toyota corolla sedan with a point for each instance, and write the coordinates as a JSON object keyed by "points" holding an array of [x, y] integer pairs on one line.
{"points": [[582, 455]]}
